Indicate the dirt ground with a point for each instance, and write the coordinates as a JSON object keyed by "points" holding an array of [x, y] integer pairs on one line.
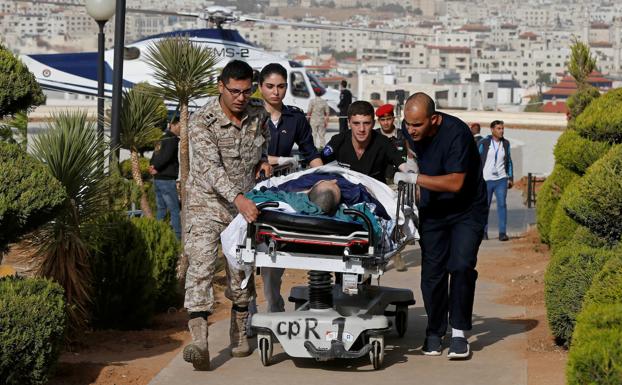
{"points": [[135, 357]]}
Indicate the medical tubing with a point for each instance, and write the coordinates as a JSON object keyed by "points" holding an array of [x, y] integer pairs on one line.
{"points": [[370, 229]]}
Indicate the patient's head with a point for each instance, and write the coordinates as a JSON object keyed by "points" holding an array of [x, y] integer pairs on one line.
{"points": [[326, 195]]}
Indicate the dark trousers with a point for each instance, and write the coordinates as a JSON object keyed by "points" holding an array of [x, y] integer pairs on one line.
{"points": [[343, 124], [448, 275]]}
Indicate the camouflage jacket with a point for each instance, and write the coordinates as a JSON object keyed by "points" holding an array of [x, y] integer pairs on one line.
{"points": [[224, 156]]}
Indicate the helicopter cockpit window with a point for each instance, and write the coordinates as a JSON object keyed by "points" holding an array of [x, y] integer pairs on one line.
{"points": [[298, 85], [131, 53]]}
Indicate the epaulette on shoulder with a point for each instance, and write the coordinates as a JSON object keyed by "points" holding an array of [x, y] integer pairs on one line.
{"points": [[256, 102], [295, 109]]}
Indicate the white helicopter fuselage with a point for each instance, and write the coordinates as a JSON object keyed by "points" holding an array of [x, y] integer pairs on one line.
{"points": [[77, 72]]}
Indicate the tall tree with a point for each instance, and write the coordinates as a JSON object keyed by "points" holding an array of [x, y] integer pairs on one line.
{"points": [[19, 91], [184, 71], [142, 115], [581, 63], [72, 151]]}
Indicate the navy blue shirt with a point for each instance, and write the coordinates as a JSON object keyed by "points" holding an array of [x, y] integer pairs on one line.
{"points": [[293, 127], [451, 150]]}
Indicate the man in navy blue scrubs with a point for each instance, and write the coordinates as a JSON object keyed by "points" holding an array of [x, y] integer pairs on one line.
{"points": [[453, 210]]}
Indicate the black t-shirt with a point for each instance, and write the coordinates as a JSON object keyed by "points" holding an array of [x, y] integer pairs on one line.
{"points": [[378, 154], [451, 150]]}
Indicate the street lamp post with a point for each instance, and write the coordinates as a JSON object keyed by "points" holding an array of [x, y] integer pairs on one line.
{"points": [[101, 11], [117, 76]]}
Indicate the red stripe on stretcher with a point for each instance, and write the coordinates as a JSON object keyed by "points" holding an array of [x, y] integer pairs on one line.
{"points": [[312, 242]]}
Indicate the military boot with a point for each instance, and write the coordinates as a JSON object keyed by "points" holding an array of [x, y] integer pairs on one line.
{"points": [[197, 352], [237, 332]]}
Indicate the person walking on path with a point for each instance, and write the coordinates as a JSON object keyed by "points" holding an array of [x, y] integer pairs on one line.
{"points": [[318, 115], [498, 172], [164, 166], [452, 215], [287, 125], [229, 142], [345, 99]]}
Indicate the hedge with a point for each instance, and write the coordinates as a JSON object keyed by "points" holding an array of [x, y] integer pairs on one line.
{"points": [[563, 227], [596, 203], [577, 153], [584, 236], [29, 194], [567, 279], [602, 119], [607, 285], [163, 250], [595, 357], [126, 168], [578, 102], [32, 327], [124, 290], [549, 196]]}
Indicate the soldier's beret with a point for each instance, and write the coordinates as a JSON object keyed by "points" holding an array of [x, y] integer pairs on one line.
{"points": [[385, 109]]}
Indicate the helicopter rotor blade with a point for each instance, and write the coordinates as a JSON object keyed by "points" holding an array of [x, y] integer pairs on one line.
{"points": [[328, 26]]}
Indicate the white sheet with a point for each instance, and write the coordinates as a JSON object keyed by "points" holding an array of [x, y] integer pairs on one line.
{"points": [[235, 233]]}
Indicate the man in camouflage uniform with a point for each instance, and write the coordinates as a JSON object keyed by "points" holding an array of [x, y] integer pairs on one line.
{"points": [[318, 113], [229, 142]]}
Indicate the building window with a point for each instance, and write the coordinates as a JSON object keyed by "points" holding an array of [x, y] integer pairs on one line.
{"points": [[490, 95]]}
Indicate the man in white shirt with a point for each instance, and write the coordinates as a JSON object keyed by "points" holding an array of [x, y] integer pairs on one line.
{"points": [[498, 172]]}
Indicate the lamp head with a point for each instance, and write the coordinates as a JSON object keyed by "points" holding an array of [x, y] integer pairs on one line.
{"points": [[100, 10]]}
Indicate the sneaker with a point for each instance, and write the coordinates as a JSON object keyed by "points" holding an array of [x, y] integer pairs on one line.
{"points": [[459, 348], [503, 237], [432, 346]]}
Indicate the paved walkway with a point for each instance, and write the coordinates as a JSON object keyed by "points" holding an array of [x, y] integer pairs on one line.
{"points": [[498, 342]]}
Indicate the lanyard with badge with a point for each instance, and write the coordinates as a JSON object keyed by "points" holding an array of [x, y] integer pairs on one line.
{"points": [[494, 169]]}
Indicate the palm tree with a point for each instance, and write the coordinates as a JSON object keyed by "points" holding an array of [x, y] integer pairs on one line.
{"points": [[581, 63], [72, 151], [184, 71], [142, 114]]}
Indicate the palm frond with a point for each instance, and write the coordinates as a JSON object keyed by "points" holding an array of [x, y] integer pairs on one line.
{"points": [[183, 70], [71, 149], [142, 114]]}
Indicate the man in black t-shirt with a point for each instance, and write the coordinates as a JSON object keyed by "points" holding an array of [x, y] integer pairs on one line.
{"points": [[452, 213], [345, 99], [361, 148]]}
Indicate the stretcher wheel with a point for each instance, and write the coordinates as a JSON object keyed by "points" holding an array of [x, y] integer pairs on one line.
{"points": [[401, 320], [264, 344], [376, 354]]}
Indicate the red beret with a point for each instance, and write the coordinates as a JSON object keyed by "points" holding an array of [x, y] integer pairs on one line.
{"points": [[385, 109]]}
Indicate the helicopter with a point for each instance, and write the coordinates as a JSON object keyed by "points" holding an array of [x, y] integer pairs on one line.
{"points": [[77, 72]]}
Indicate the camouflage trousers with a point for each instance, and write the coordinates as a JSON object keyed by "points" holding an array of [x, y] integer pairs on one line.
{"points": [[203, 226], [319, 133]]}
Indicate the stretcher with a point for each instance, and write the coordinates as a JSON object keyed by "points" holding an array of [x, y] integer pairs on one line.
{"points": [[344, 317]]}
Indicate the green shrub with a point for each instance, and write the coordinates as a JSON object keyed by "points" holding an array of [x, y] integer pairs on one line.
{"points": [[584, 236], [19, 90], [549, 196], [596, 203], [29, 194], [595, 357], [607, 285], [123, 285], [602, 119], [577, 153], [163, 249], [580, 100], [32, 327], [566, 281], [126, 168], [563, 227]]}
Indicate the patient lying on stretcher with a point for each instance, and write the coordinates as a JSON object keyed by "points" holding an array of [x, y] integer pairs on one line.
{"points": [[328, 191]]}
